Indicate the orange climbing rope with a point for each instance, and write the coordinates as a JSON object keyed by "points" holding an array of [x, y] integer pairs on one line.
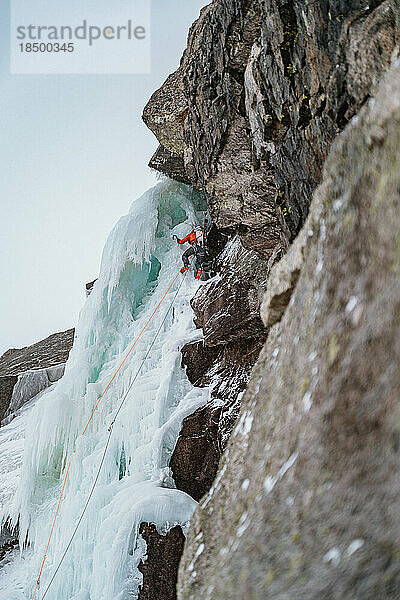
{"points": [[109, 429]]}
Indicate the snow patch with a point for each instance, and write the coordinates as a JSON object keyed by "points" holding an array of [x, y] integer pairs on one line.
{"points": [[245, 424], [333, 556], [270, 482], [199, 551], [243, 525], [307, 402], [354, 546], [215, 485], [352, 303], [245, 485]]}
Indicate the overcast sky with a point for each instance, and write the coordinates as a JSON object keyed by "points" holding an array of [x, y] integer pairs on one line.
{"points": [[73, 156]]}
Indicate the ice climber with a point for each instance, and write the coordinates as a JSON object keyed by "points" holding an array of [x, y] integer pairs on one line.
{"points": [[197, 248]]}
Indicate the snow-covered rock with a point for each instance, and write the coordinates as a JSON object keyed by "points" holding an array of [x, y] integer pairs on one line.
{"points": [[29, 385], [31, 369]]}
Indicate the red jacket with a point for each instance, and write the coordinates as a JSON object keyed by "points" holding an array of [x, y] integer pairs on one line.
{"points": [[191, 238]]}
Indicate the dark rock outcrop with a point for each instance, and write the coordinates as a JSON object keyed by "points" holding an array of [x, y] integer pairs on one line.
{"points": [[306, 503], [169, 164], [166, 112], [9, 540], [89, 287], [262, 91], [313, 68], [199, 359], [199, 115], [228, 308], [195, 460], [164, 551], [7, 384], [205, 433]]}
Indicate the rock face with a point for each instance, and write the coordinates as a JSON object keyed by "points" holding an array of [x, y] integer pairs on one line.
{"points": [[163, 551], [195, 460], [306, 503], [227, 308], [261, 92], [201, 120], [8, 541], [7, 384], [312, 69], [25, 372], [47, 353]]}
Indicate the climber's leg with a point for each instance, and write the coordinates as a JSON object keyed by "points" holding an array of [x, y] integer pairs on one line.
{"points": [[186, 256]]}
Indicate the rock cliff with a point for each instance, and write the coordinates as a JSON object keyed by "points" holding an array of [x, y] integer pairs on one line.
{"points": [[165, 552], [261, 92], [304, 503], [34, 367]]}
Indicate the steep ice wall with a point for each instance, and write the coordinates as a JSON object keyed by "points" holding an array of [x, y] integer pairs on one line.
{"points": [[139, 262], [12, 436]]}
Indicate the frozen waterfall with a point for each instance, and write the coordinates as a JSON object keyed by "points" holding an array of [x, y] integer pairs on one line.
{"points": [[139, 262]]}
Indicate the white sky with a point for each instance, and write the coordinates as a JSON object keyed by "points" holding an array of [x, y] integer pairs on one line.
{"points": [[73, 156]]}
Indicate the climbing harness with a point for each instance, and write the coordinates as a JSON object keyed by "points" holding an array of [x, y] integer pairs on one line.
{"points": [[110, 431]]}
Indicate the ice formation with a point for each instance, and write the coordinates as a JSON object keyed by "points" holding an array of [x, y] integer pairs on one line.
{"points": [[139, 262], [29, 385], [11, 452]]}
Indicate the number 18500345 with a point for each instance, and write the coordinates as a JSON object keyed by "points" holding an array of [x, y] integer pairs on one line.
{"points": [[47, 47]]}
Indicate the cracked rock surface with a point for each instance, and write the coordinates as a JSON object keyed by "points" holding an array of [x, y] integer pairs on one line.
{"points": [[306, 501]]}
